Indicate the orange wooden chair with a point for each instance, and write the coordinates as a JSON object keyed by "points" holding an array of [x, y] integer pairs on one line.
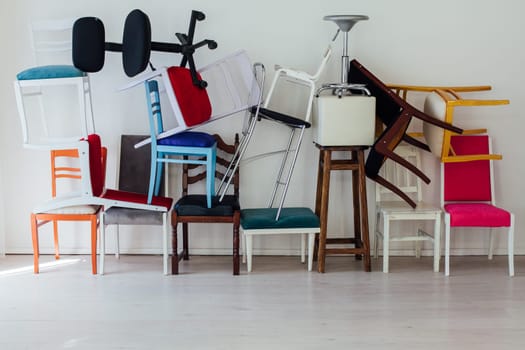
{"points": [[88, 213]]}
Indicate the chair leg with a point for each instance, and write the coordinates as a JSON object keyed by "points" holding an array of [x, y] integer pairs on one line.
{"points": [[437, 242], [386, 242], [376, 235], [165, 237], [185, 242], [249, 251], [491, 243], [447, 245], [153, 171], [311, 249], [102, 228], [303, 247], [243, 246], [117, 241], [175, 254], [55, 239], [210, 174], [236, 224], [36, 249], [510, 248], [94, 244]]}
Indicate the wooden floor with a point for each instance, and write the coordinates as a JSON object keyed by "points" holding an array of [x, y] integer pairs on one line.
{"points": [[278, 306]]}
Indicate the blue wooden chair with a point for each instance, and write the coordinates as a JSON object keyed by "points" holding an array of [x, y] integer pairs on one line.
{"points": [[188, 147]]}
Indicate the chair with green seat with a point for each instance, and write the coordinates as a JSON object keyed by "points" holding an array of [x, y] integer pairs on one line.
{"points": [[292, 220]]}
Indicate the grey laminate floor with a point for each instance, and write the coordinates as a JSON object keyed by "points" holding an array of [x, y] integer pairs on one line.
{"points": [[278, 306]]}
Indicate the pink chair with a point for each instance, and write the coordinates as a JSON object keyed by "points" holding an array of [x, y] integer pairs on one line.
{"points": [[467, 195]]}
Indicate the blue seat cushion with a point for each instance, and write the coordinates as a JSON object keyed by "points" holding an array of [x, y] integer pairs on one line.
{"points": [[197, 205], [50, 72], [188, 139], [264, 218]]}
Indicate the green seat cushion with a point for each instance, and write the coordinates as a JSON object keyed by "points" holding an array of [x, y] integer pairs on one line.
{"points": [[264, 218], [50, 72]]}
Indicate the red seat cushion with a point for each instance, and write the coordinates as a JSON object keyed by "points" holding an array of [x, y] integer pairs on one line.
{"points": [[193, 101], [477, 215], [137, 198]]}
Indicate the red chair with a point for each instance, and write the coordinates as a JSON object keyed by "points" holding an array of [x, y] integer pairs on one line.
{"points": [[467, 195]]}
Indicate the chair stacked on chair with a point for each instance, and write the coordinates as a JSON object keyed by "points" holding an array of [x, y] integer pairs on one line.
{"points": [[396, 115], [51, 39], [93, 191], [467, 188], [193, 208], [191, 101]]}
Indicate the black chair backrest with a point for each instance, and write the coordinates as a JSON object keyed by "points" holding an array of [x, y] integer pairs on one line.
{"points": [[134, 168]]}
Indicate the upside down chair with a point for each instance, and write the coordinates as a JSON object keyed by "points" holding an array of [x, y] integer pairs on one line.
{"points": [[396, 115]]}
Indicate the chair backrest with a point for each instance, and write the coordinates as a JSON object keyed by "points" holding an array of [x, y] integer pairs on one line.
{"points": [[471, 180], [436, 106], [63, 172], [192, 173], [440, 104], [60, 170], [232, 84], [52, 41], [398, 175], [134, 165]]}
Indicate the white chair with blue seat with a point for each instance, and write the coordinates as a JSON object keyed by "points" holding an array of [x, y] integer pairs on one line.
{"points": [[52, 39]]}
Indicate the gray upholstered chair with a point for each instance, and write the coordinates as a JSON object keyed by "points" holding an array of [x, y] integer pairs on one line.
{"points": [[133, 176]]}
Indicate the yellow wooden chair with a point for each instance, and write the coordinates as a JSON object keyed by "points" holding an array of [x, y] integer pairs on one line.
{"points": [[440, 103]]}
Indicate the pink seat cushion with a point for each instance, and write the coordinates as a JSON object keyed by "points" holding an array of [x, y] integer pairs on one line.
{"points": [[477, 215], [137, 198], [193, 101]]}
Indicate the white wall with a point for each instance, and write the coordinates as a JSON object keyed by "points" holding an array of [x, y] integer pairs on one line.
{"points": [[467, 42]]}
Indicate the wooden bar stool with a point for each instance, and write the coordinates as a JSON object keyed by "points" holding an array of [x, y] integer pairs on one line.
{"points": [[356, 163]]}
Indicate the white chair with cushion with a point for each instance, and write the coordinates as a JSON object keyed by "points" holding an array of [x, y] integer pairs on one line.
{"points": [[52, 43]]}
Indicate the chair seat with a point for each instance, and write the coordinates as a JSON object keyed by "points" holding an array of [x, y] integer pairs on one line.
{"points": [[196, 205], [188, 139], [50, 72], [129, 216], [477, 215], [283, 118], [137, 198], [76, 210], [264, 218]]}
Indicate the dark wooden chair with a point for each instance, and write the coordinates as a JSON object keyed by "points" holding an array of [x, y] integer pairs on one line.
{"points": [[192, 208], [396, 115]]}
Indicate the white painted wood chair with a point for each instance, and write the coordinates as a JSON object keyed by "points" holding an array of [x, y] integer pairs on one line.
{"points": [[52, 43], [390, 208]]}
